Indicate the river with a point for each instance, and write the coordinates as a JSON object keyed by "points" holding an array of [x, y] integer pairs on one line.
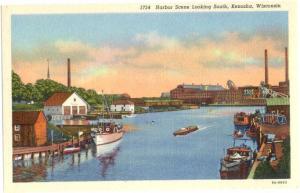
{"points": [[149, 151]]}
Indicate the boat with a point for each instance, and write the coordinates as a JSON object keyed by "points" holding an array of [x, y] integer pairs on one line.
{"points": [[106, 131], [238, 134], [252, 131], [241, 119], [186, 130], [71, 149], [236, 163]]}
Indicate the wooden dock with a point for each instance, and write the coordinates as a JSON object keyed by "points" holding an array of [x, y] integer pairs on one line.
{"points": [[21, 153]]}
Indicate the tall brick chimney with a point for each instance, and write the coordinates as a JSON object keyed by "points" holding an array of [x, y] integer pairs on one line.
{"points": [[286, 65], [266, 68], [69, 72]]}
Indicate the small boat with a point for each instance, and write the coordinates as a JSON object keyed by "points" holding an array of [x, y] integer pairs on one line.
{"points": [[107, 133], [71, 149], [186, 130], [252, 132], [237, 134], [236, 163], [241, 119]]}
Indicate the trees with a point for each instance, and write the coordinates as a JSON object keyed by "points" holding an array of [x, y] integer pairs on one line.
{"points": [[283, 170], [44, 88], [265, 170], [17, 87]]}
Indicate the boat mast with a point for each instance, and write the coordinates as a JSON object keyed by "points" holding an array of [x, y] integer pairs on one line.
{"points": [[106, 106]]}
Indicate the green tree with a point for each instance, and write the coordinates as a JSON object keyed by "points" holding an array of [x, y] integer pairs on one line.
{"points": [[47, 87], [264, 171], [17, 87], [284, 170]]}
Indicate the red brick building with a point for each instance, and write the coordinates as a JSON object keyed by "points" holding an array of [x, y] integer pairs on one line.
{"points": [[29, 129], [207, 94]]}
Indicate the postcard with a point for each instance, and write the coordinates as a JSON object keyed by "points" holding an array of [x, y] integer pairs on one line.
{"points": [[184, 96]]}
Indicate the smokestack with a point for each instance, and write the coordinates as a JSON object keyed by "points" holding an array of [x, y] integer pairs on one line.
{"points": [[266, 68], [69, 72], [286, 65]]}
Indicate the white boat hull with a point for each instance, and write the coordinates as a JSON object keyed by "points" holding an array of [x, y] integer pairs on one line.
{"points": [[100, 139]]}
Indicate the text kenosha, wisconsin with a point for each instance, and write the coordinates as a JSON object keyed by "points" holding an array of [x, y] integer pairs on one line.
{"points": [[209, 6]]}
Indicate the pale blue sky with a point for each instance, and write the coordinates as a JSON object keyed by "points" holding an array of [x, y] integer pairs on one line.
{"points": [[29, 30]]}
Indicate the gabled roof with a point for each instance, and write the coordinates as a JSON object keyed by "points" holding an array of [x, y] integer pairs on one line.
{"points": [[57, 99], [25, 117], [122, 102]]}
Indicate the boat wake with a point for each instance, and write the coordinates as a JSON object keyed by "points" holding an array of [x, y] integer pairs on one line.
{"points": [[204, 128]]}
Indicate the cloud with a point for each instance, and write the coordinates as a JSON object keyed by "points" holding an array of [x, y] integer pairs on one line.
{"points": [[153, 63]]}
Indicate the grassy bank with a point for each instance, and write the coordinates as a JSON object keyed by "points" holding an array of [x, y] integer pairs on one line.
{"points": [[28, 107]]}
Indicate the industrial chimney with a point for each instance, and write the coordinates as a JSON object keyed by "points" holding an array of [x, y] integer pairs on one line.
{"points": [[266, 68], [286, 65], [69, 72]]}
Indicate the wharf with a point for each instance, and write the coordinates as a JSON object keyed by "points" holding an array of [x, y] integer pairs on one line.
{"points": [[48, 150], [281, 132]]}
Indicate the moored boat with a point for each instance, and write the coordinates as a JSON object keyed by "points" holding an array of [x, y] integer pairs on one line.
{"points": [[71, 149], [107, 133], [186, 130], [236, 163], [238, 134], [241, 119], [252, 131]]}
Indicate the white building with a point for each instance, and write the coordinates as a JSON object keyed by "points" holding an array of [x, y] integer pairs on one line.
{"points": [[122, 105], [63, 105]]}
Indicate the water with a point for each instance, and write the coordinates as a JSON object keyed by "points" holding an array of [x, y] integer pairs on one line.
{"points": [[149, 152]]}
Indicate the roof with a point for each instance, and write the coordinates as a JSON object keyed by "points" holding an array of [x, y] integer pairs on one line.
{"points": [[25, 117], [122, 102], [57, 98], [203, 87], [277, 101]]}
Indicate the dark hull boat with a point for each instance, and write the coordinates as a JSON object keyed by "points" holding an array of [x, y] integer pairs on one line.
{"points": [[186, 130], [236, 163], [241, 119]]}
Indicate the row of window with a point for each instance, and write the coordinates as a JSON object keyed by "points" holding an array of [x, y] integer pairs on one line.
{"points": [[67, 110]]}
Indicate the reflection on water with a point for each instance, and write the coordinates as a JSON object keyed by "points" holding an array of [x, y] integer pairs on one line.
{"points": [[148, 150], [40, 169], [106, 154]]}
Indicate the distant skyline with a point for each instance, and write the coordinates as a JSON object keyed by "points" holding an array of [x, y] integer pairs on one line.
{"points": [[146, 54]]}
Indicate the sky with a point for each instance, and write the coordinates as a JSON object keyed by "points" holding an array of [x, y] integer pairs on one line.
{"points": [[145, 54]]}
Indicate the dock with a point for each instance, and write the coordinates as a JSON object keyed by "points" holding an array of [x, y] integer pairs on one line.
{"points": [[46, 151]]}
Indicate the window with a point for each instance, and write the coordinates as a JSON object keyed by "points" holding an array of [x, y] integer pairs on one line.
{"points": [[17, 127], [17, 137], [82, 110], [74, 99], [74, 110], [67, 110]]}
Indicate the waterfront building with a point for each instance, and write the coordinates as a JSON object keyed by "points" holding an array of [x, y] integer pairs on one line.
{"points": [[29, 128], [64, 105], [122, 105], [165, 95], [279, 106]]}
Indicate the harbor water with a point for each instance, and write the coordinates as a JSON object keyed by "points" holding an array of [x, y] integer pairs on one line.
{"points": [[148, 151]]}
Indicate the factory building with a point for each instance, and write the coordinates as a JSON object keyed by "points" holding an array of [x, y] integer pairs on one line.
{"points": [[245, 95]]}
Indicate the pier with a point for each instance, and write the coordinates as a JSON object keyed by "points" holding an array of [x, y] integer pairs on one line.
{"points": [[48, 150]]}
